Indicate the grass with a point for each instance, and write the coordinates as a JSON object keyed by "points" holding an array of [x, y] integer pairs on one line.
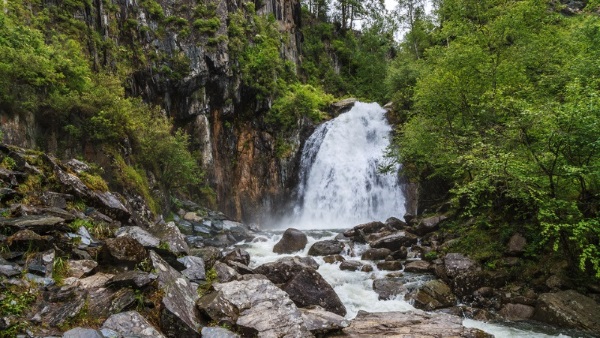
{"points": [[93, 182]]}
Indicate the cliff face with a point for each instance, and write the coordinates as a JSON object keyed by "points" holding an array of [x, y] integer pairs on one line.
{"points": [[179, 56]]}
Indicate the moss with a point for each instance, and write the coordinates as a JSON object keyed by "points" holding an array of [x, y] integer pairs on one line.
{"points": [[93, 182], [207, 26], [211, 277]]}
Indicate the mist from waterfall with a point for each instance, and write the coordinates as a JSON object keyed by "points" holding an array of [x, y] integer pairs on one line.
{"points": [[341, 183]]}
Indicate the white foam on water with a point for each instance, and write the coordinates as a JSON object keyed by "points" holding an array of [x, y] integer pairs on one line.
{"points": [[502, 331]]}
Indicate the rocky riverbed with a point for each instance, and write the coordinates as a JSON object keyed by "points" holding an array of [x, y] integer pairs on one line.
{"points": [[78, 260]]}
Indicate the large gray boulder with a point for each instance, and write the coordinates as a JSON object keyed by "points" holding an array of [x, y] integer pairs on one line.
{"points": [[123, 251], [257, 307], [142, 236], [194, 268], [394, 241], [131, 324], [80, 332], [456, 263], [326, 248], [282, 270], [408, 324], [319, 321], [376, 254], [292, 240], [178, 316], [170, 234], [569, 309], [433, 295], [428, 224], [388, 287]]}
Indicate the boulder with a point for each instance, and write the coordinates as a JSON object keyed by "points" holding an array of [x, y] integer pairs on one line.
{"points": [[351, 265], [517, 312], [343, 106], [418, 267], [456, 263], [333, 259], [387, 287], [237, 255], [178, 316], [194, 268], [394, 241], [134, 278], [24, 239], [390, 265], [131, 324], [145, 238], [103, 302], [217, 332], [210, 255], [569, 309], [257, 307], [325, 248], [396, 223], [433, 295], [362, 230], [95, 281], [408, 324], [428, 224], [10, 270], [292, 240], [80, 332], [170, 234], [376, 254], [225, 273], [516, 245], [284, 269], [310, 288], [39, 223], [123, 251], [79, 268], [320, 322]]}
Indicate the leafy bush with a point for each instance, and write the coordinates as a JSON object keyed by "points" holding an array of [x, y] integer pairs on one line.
{"points": [[299, 100]]}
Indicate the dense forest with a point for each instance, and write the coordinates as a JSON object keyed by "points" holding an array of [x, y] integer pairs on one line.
{"points": [[496, 102]]}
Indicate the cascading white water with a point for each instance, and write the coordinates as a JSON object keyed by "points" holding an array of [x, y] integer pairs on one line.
{"points": [[341, 183]]}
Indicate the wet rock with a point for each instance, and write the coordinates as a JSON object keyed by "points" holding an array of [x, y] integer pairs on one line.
{"points": [[178, 315], [351, 265], [56, 314], [418, 267], [142, 236], [284, 269], [24, 239], [292, 240], [257, 307], [217, 332], [343, 106], [170, 234], [123, 251], [516, 245], [108, 202], [390, 265], [402, 253], [517, 312], [56, 200], [318, 321], [333, 259], [467, 282], [408, 324], [310, 288], [427, 225], [42, 264], [209, 255], [325, 248], [77, 165], [433, 295], [366, 268], [387, 288], [225, 273], [38, 223], [194, 268], [103, 302], [79, 268], [376, 254], [131, 324], [95, 281], [396, 223], [362, 230], [7, 193], [456, 263], [80, 332], [10, 270], [237, 255], [136, 279], [569, 309], [394, 241]]}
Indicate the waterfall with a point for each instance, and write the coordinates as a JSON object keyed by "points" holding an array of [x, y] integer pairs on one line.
{"points": [[341, 184]]}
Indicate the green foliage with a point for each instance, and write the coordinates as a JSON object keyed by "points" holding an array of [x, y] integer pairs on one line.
{"points": [[211, 278], [500, 110], [15, 301], [207, 26], [129, 177], [298, 101], [8, 163]]}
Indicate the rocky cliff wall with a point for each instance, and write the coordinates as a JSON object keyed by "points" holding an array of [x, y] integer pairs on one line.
{"points": [[190, 73]]}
